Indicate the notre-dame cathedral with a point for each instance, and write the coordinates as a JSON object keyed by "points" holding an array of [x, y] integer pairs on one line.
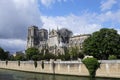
{"points": [[42, 39]]}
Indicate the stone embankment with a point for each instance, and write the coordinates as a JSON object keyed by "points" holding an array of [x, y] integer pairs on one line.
{"points": [[107, 68]]}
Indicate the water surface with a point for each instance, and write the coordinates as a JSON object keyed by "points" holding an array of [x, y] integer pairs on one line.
{"points": [[17, 75]]}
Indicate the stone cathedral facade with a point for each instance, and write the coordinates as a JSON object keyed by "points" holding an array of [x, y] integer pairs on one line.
{"points": [[42, 39]]}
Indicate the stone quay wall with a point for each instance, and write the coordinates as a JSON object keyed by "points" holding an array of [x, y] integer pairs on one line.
{"points": [[108, 68]]}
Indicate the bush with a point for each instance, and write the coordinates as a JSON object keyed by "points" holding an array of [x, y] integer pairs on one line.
{"points": [[35, 64], [61, 56], [112, 57], [42, 64], [92, 65], [18, 63], [49, 56], [35, 57], [20, 57], [6, 62]]}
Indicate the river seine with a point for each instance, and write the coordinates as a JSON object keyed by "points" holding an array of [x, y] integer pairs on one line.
{"points": [[17, 75]]}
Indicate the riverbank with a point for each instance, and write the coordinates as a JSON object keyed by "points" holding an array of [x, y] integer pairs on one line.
{"points": [[108, 69], [20, 75]]}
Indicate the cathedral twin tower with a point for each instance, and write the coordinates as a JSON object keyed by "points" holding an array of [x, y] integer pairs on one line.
{"points": [[39, 38], [36, 36]]}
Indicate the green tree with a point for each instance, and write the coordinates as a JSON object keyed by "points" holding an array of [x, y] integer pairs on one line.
{"points": [[49, 56], [4, 55], [11, 57], [30, 52], [35, 57], [102, 43], [92, 65], [20, 56], [66, 55], [74, 52], [112, 57], [1, 53]]}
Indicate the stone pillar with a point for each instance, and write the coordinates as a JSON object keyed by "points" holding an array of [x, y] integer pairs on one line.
{"points": [[50, 68], [68, 67], [58, 66], [79, 69], [107, 69]]}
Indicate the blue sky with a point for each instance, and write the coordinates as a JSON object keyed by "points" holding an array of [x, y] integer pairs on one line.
{"points": [[80, 16], [64, 8], [86, 15]]}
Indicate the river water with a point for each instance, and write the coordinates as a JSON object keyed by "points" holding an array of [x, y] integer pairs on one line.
{"points": [[17, 75]]}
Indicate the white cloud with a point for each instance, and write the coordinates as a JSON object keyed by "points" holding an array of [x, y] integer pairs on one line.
{"points": [[13, 44], [118, 31], [16, 16], [48, 3], [107, 4], [85, 23], [78, 24], [114, 17]]}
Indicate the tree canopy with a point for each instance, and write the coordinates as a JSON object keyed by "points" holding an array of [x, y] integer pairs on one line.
{"points": [[92, 65], [30, 52], [4, 55], [101, 44], [20, 56]]}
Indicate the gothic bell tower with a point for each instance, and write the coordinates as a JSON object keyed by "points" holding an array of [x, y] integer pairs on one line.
{"points": [[33, 37]]}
